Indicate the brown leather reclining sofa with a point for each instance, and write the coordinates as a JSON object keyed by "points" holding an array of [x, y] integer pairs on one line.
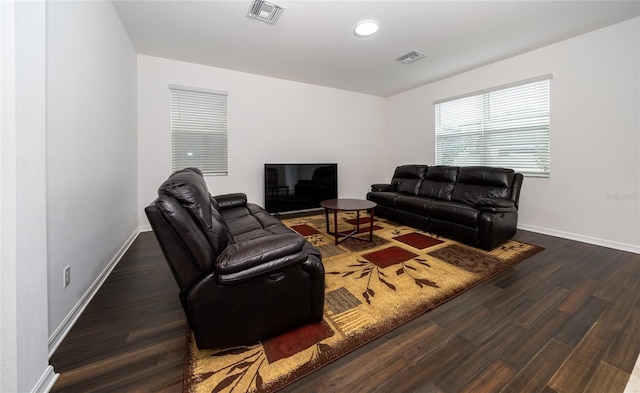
{"points": [[243, 275], [475, 205]]}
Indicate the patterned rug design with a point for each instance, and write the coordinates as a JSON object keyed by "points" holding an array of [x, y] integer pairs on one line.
{"points": [[371, 288]]}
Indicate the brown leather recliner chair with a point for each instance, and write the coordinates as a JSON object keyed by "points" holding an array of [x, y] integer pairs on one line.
{"points": [[243, 275]]}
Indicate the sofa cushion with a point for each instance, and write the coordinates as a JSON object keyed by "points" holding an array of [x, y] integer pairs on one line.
{"points": [[407, 178], [266, 220], [255, 234], [254, 222], [453, 212], [474, 183], [439, 182], [240, 221], [413, 204]]}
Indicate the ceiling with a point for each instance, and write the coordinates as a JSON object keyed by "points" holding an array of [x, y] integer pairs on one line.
{"points": [[313, 41]]}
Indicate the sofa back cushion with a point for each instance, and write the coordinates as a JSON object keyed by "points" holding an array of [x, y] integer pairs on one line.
{"points": [[408, 178], [474, 183], [439, 182], [188, 188]]}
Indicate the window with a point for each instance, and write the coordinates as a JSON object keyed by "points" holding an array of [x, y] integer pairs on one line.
{"points": [[503, 127], [199, 129]]}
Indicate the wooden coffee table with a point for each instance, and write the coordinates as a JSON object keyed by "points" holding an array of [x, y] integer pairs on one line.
{"points": [[345, 205]]}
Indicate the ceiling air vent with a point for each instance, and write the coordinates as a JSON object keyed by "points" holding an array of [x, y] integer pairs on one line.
{"points": [[410, 57], [265, 11]]}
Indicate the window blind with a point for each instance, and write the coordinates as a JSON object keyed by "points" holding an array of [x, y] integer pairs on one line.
{"points": [[199, 129], [503, 127]]}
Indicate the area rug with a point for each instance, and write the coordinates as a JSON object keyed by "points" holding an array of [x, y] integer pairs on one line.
{"points": [[371, 288]]}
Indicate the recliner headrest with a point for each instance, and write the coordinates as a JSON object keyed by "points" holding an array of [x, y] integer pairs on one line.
{"points": [[410, 171], [486, 176], [442, 173], [187, 186]]}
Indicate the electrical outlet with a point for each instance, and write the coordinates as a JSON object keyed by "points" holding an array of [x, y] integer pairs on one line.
{"points": [[67, 276]]}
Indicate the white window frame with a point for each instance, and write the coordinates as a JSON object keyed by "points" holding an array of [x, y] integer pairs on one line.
{"points": [[199, 129], [506, 126]]}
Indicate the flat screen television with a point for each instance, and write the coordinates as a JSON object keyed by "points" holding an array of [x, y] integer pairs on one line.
{"points": [[290, 188]]}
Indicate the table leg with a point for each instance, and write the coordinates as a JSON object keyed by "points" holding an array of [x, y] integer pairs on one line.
{"points": [[371, 225], [326, 218], [335, 224]]}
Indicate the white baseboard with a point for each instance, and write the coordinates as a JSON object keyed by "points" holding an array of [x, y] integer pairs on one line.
{"points": [[145, 228], [60, 333], [46, 381], [581, 238]]}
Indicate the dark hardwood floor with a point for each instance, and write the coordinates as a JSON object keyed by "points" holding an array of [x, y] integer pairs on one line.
{"points": [[565, 320]]}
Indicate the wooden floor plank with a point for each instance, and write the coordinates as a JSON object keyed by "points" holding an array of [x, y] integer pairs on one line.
{"points": [[580, 323], [578, 297], [383, 372], [537, 336], [450, 314], [425, 373], [543, 306], [441, 338], [496, 320], [491, 379], [606, 378], [624, 267], [625, 348], [617, 313], [575, 372], [535, 375], [475, 363]]}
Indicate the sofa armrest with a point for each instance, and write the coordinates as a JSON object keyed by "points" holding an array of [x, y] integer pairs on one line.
{"points": [[383, 187], [255, 257], [495, 205], [228, 201]]}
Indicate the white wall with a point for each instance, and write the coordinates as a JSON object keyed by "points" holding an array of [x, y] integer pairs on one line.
{"points": [[91, 148], [23, 244], [269, 120], [593, 192]]}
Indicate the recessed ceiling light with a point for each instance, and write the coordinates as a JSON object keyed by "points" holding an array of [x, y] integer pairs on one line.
{"points": [[365, 29]]}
